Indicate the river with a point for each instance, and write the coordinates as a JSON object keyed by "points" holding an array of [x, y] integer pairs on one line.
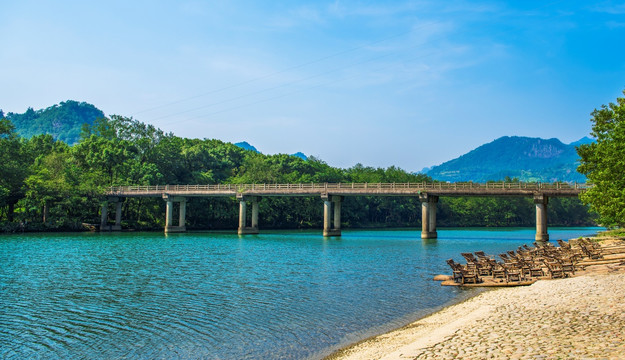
{"points": [[209, 295]]}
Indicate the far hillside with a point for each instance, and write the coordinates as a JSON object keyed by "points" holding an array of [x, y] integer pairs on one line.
{"points": [[523, 158], [63, 121], [245, 145]]}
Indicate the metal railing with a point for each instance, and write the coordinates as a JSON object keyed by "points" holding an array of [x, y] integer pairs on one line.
{"points": [[423, 186]]}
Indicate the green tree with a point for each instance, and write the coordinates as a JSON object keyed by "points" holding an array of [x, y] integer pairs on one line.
{"points": [[603, 163], [14, 169]]}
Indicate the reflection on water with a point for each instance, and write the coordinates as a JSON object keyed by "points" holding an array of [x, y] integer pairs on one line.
{"points": [[289, 295]]}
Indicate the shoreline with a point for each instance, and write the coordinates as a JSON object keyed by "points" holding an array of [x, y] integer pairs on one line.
{"points": [[94, 228], [402, 335], [504, 323]]}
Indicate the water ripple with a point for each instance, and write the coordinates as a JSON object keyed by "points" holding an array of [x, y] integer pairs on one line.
{"points": [[218, 296]]}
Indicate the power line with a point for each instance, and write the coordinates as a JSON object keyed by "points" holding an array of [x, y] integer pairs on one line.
{"points": [[285, 94], [413, 29], [279, 72], [281, 85]]}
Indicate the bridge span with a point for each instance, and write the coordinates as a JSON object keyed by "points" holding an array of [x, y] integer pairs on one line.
{"points": [[332, 195]]}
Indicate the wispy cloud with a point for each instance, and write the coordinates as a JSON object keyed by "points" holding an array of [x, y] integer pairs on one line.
{"points": [[610, 7], [615, 24], [342, 9], [300, 16]]}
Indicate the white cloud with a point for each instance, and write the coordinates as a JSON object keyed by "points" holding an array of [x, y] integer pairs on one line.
{"points": [[615, 24], [341, 9], [610, 7]]}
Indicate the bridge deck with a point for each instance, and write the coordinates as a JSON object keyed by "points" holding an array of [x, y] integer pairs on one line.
{"points": [[354, 189]]}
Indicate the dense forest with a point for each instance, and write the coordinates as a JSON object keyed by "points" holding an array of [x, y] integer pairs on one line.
{"points": [[47, 184]]}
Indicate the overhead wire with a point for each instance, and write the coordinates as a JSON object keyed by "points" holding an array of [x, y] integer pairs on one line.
{"points": [[337, 69], [228, 87], [302, 65], [285, 94]]}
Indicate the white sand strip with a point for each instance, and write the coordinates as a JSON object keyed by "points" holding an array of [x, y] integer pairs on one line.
{"points": [[575, 318]]}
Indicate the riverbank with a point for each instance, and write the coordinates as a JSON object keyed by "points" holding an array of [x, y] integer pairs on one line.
{"points": [[573, 318]]}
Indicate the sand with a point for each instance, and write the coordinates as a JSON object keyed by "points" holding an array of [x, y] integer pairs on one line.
{"points": [[581, 317]]}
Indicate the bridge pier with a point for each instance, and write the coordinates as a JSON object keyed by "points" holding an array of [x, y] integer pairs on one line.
{"points": [[169, 213], [428, 216], [331, 215], [541, 201], [104, 226], [243, 228]]}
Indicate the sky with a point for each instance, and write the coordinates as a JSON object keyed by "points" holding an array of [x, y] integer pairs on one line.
{"points": [[382, 83]]}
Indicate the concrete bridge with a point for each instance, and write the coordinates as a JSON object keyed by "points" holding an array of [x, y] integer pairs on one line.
{"points": [[332, 195]]}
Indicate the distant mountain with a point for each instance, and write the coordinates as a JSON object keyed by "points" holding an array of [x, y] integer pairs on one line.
{"points": [[245, 145], [63, 121], [300, 155], [528, 159], [582, 141]]}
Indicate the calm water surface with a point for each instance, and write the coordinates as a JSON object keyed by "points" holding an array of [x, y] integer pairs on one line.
{"points": [[288, 295]]}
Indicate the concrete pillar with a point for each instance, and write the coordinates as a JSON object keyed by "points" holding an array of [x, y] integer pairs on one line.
{"points": [[105, 215], [118, 216], [428, 216], [541, 201], [331, 204], [104, 226], [169, 214], [242, 214], [255, 214], [432, 217], [243, 228], [327, 211], [183, 214], [425, 220], [337, 213]]}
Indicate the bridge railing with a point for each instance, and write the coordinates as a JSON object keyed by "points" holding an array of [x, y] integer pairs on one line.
{"points": [[324, 186]]}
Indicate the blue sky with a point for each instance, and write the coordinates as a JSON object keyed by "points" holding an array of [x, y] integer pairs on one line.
{"points": [[406, 83]]}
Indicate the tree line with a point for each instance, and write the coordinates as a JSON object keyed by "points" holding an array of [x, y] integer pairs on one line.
{"points": [[603, 163], [63, 121], [46, 184]]}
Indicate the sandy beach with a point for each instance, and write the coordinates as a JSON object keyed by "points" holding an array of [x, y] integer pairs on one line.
{"points": [[581, 317]]}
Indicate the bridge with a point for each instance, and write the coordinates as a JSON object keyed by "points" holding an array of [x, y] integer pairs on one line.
{"points": [[332, 195]]}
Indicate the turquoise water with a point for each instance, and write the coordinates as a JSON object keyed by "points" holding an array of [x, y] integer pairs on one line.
{"points": [[287, 295]]}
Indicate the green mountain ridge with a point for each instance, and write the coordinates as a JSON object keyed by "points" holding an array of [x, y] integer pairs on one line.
{"points": [[63, 121], [524, 158], [246, 146]]}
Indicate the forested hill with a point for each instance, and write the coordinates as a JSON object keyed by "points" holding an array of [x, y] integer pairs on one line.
{"points": [[50, 185], [63, 121], [524, 158]]}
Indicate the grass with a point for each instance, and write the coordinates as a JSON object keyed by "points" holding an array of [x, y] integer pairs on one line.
{"points": [[616, 233]]}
